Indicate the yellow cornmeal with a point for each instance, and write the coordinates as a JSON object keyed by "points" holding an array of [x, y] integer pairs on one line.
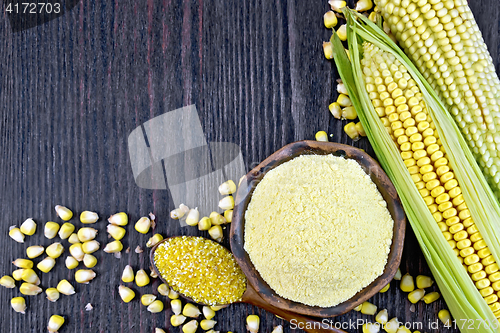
{"points": [[318, 230], [201, 269]]}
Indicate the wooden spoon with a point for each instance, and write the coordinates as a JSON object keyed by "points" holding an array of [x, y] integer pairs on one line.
{"points": [[251, 296]]}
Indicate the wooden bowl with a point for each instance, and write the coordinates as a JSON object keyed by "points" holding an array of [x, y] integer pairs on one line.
{"points": [[384, 185]]}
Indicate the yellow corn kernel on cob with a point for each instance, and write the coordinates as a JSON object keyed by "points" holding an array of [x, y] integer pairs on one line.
{"points": [[400, 102], [444, 41]]}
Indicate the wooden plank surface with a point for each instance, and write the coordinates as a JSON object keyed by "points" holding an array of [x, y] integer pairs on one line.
{"points": [[73, 89]]}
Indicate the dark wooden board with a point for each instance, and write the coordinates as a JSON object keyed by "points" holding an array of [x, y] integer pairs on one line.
{"points": [[73, 89]]}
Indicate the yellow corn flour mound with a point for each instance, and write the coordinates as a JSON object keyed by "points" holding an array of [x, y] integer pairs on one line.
{"points": [[318, 230]]}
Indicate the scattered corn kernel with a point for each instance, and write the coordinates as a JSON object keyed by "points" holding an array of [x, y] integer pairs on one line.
{"points": [[143, 225], [277, 329], [89, 260], [119, 219], [403, 329], [207, 324], [30, 276], [341, 88], [349, 112], [113, 247], [16, 234], [193, 217], [344, 100], [128, 274], [73, 238], [23, 263], [86, 234], [407, 284], [46, 264], [431, 297], [51, 229], [172, 294], [154, 240], [71, 262], [52, 294], [177, 320], [54, 250], [416, 295], [226, 203], [87, 217], [253, 322], [141, 278], [76, 250], [218, 307], [64, 287], [342, 33], [190, 327], [55, 323], [29, 289], [228, 215], [424, 282], [66, 230], [64, 213], [383, 290], [177, 213], [397, 276], [7, 282], [371, 328], [159, 330], [368, 308], [382, 317], [208, 312], [147, 299], [328, 50], [337, 5], [364, 5], [153, 274], [126, 294], [28, 227], [217, 219], [17, 274], [34, 251], [330, 19], [191, 310], [351, 130], [445, 317], [358, 308], [335, 110], [360, 129], [116, 232], [216, 233], [228, 187], [90, 246], [18, 304], [205, 223], [163, 289], [176, 306], [392, 325], [155, 307], [321, 136]]}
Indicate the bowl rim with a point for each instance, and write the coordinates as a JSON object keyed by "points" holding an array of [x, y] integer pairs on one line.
{"points": [[385, 187]]}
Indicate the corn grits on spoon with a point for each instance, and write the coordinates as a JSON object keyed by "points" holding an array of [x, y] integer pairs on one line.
{"points": [[250, 295]]}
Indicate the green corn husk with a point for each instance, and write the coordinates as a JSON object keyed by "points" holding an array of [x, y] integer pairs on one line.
{"points": [[462, 297]]}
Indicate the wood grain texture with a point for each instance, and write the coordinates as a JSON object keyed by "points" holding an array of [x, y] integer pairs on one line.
{"points": [[73, 89]]}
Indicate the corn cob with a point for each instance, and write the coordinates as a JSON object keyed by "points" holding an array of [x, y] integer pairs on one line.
{"points": [[444, 41], [396, 98]]}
